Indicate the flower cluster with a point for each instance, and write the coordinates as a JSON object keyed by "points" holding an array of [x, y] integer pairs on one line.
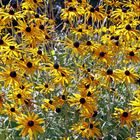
{"points": [[70, 72]]}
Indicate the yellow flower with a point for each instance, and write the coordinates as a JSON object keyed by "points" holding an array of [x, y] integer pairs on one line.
{"points": [[127, 75], [19, 96], [103, 53], [108, 76], [75, 46], [6, 40], [32, 4], [48, 104], [28, 65], [11, 110], [132, 55], [45, 87], [97, 14], [82, 103], [136, 105], [9, 14], [62, 78], [30, 124], [125, 117], [10, 76], [88, 130]]}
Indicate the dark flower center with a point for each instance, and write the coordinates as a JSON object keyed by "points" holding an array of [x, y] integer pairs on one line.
{"points": [[13, 74], [28, 29], [131, 53], [31, 123], [35, 1], [87, 86], [117, 43], [89, 94], [88, 69], [112, 37], [138, 27], [29, 64], [19, 95], [50, 102], [22, 87], [56, 65], [127, 73], [63, 75], [97, 9], [58, 110], [76, 44], [80, 1], [80, 30], [46, 86], [71, 9], [102, 54], [95, 114], [128, 27], [125, 114], [88, 43], [41, 27], [63, 97], [12, 47], [36, 15], [124, 10], [116, 37], [90, 125], [82, 100], [1, 42], [11, 12], [109, 72], [47, 37], [92, 9], [12, 109], [39, 52]]}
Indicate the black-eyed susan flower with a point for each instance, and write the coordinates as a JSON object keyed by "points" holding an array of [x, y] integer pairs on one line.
{"points": [[88, 130], [45, 87], [125, 117], [12, 51], [75, 46], [30, 124], [108, 76], [132, 55], [28, 65], [19, 96], [136, 105], [10, 76], [63, 78], [32, 4], [9, 14], [128, 75], [11, 110], [97, 14], [7, 40], [48, 104], [103, 53], [82, 103], [69, 14]]}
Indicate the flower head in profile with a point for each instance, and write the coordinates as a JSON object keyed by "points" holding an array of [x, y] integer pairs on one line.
{"points": [[30, 124], [136, 105]]}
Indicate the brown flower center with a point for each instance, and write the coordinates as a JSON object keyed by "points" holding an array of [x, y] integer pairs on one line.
{"points": [[30, 123]]}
